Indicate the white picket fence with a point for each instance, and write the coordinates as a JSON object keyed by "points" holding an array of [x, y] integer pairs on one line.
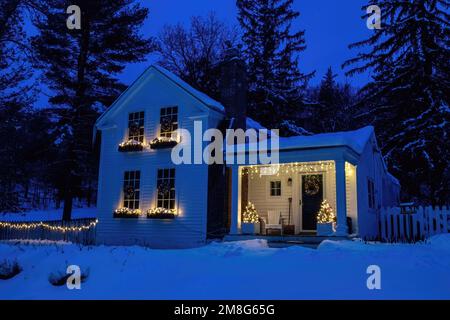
{"points": [[411, 224]]}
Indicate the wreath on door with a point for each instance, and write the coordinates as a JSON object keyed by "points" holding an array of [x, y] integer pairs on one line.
{"points": [[312, 185]]}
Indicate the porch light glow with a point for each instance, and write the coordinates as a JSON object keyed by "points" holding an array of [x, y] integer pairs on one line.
{"points": [[348, 169]]}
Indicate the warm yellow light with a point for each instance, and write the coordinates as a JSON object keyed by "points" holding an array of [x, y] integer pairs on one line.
{"points": [[288, 168], [34, 225]]}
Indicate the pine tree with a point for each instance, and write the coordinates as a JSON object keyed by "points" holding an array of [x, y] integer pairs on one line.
{"points": [[333, 105], [328, 103], [409, 96], [326, 213], [14, 101], [272, 53], [250, 215], [80, 67]]}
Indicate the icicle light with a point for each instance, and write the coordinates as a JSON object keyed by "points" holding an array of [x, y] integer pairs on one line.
{"points": [[288, 168]]}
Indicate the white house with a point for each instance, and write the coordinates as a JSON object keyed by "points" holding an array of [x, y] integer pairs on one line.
{"points": [[144, 198]]}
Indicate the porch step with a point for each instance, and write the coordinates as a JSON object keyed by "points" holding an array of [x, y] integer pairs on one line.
{"points": [[287, 239]]}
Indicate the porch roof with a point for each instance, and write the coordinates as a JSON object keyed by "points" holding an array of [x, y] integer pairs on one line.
{"points": [[355, 140]]}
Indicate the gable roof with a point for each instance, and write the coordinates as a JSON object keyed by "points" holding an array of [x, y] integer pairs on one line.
{"points": [[200, 96], [206, 100]]}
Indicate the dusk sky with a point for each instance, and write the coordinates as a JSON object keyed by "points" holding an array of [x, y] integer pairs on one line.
{"points": [[330, 26]]}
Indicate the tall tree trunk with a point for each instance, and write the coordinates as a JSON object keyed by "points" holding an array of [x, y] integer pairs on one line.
{"points": [[68, 201]]}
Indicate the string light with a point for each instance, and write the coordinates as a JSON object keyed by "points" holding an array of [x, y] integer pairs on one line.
{"points": [[250, 215], [128, 211], [26, 226], [131, 145], [288, 168], [160, 210], [326, 213]]}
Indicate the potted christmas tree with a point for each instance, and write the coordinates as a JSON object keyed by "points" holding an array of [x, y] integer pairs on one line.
{"points": [[250, 220], [325, 219]]}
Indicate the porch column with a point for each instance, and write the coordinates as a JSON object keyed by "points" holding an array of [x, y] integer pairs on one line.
{"points": [[235, 200], [341, 201]]}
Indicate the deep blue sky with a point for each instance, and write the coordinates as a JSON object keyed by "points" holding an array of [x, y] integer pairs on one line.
{"points": [[330, 26]]}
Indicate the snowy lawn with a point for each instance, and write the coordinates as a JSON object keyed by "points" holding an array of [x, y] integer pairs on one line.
{"points": [[48, 215], [238, 270]]}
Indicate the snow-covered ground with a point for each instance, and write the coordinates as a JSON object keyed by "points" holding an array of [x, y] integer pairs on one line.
{"points": [[48, 215], [233, 270]]}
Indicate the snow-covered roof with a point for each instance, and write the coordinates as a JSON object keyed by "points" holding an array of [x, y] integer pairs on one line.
{"points": [[356, 140], [252, 124]]}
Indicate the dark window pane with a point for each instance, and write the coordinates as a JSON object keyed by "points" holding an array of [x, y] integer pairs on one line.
{"points": [[166, 177]]}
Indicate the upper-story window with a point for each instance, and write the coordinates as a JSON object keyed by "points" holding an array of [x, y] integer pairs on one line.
{"points": [[168, 121], [136, 126]]}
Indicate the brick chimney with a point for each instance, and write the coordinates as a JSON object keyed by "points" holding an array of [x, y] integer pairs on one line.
{"points": [[233, 86]]}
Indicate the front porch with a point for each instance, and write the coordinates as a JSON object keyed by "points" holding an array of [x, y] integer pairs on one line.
{"points": [[294, 191]]}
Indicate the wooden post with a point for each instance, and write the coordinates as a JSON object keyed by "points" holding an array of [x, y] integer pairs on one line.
{"points": [[235, 200], [341, 202]]}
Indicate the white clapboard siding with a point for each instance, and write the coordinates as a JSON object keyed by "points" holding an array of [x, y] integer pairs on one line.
{"points": [[417, 224], [188, 229]]}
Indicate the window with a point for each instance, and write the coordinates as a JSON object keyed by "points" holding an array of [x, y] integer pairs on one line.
{"points": [[371, 193], [136, 126], [166, 188], [131, 189], [275, 188], [168, 121]]}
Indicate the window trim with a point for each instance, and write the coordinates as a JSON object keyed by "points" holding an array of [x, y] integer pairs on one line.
{"points": [[141, 117], [172, 201], [280, 188], [168, 134], [135, 199]]}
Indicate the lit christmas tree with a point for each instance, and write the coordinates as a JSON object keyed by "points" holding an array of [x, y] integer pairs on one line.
{"points": [[250, 215], [326, 214]]}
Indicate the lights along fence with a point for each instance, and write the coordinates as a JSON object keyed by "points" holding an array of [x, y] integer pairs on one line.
{"points": [[81, 231], [411, 224]]}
